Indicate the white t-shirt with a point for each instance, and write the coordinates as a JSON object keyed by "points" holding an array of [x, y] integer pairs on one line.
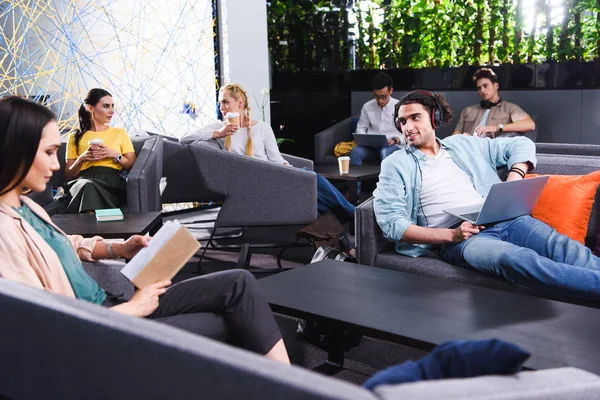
{"points": [[264, 145], [444, 185]]}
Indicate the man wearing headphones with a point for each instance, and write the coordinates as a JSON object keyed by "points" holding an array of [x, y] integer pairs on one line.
{"points": [[418, 182], [492, 117]]}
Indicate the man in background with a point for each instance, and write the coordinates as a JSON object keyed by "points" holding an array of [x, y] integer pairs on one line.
{"points": [[376, 117], [492, 117]]}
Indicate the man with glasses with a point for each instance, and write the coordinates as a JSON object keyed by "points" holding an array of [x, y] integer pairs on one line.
{"points": [[377, 117]]}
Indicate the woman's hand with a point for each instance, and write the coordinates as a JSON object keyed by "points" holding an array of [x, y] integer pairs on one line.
{"points": [[100, 152], [145, 301], [465, 231], [87, 155], [226, 130], [132, 246]]}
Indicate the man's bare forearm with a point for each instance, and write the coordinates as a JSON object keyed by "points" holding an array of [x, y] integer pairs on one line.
{"points": [[419, 235]]}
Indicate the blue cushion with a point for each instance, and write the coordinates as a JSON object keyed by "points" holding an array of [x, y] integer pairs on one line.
{"points": [[456, 359], [353, 124]]}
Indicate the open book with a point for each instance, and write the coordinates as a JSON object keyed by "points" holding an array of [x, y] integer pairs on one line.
{"points": [[168, 251]]}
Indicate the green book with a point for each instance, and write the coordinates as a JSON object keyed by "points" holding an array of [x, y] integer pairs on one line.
{"points": [[109, 214]]}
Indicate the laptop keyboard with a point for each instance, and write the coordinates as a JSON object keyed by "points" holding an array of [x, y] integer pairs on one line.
{"points": [[470, 216]]}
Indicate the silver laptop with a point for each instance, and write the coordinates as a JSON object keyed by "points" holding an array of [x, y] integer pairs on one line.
{"points": [[506, 200], [369, 140]]}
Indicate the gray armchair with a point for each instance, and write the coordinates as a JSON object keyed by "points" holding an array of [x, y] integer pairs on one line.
{"points": [[326, 140], [142, 181], [373, 249], [255, 192]]}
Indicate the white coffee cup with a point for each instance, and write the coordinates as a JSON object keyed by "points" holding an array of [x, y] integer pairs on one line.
{"points": [[95, 141], [344, 164], [233, 118]]}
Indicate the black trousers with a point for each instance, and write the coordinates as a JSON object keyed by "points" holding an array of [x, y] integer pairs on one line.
{"points": [[219, 305]]}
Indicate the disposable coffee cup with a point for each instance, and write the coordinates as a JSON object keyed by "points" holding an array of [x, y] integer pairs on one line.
{"points": [[233, 118], [95, 141], [344, 163]]}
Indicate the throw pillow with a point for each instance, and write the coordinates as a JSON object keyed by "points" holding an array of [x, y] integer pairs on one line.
{"points": [[566, 203], [456, 359]]}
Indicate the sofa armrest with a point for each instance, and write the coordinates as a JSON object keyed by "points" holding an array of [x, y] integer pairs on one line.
{"points": [[556, 383], [326, 140], [369, 238], [299, 162], [143, 193], [255, 192]]}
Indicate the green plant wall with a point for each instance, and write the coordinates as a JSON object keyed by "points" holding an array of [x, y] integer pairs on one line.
{"points": [[309, 35]]}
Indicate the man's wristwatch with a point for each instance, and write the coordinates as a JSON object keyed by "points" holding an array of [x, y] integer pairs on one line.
{"points": [[500, 128], [119, 157]]}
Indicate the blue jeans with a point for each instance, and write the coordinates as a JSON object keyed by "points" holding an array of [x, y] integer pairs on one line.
{"points": [[525, 250], [360, 153], [330, 200]]}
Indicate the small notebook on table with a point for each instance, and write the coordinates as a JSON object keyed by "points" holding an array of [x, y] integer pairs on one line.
{"points": [[109, 214], [168, 251]]}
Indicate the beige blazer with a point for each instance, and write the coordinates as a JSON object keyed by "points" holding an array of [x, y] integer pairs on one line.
{"points": [[25, 257]]}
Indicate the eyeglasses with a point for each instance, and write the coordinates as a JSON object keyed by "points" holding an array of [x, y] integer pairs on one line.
{"points": [[382, 97]]}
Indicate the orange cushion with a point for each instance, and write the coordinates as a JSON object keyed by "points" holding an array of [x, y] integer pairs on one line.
{"points": [[566, 203]]}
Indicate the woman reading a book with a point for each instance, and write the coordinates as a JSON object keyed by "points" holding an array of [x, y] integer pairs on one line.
{"points": [[35, 252], [252, 138], [98, 156]]}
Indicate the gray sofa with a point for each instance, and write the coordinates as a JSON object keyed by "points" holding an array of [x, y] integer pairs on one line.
{"points": [[373, 249], [142, 181], [568, 149], [56, 347]]}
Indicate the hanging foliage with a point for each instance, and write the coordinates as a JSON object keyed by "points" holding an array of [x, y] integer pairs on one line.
{"points": [[310, 35]]}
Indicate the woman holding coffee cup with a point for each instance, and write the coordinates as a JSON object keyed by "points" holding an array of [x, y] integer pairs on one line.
{"points": [[242, 135], [97, 155]]}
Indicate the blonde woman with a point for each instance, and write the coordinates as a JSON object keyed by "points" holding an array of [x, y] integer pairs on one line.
{"points": [[256, 139]]}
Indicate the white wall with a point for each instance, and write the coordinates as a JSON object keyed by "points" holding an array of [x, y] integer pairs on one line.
{"points": [[245, 50]]}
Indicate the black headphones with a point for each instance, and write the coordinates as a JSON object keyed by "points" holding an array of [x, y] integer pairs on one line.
{"points": [[437, 119], [488, 104]]}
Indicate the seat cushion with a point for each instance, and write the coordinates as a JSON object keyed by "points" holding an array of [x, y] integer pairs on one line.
{"points": [[435, 267]]}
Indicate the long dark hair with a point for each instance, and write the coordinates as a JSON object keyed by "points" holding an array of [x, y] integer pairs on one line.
{"points": [[21, 125], [85, 117]]}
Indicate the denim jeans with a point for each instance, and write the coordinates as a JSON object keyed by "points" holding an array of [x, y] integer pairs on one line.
{"points": [[527, 251], [330, 200], [360, 153]]}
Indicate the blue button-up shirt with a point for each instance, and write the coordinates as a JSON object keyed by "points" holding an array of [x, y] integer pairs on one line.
{"points": [[399, 189]]}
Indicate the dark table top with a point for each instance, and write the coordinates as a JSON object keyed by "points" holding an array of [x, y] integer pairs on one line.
{"points": [[423, 312], [356, 172], [86, 224]]}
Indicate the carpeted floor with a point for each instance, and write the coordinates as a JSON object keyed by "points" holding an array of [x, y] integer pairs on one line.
{"points": [[360, 362]]}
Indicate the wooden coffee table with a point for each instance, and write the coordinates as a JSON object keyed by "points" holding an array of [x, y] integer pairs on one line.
{"points": [[358, 173], [423, 312], [133, 224]]}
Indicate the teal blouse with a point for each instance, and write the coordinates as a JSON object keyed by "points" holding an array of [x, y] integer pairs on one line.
{"points": [[84, 287]]}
